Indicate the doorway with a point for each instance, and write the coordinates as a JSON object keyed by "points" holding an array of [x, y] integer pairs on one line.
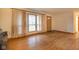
{"points": [[49, 18]]}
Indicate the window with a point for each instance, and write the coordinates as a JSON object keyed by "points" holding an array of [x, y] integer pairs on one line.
{"points": [[34, 22], [31, 22]]}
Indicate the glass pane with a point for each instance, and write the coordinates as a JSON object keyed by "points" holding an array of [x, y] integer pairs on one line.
{"points": [[32, 23], [31, 19], [31, 27]]}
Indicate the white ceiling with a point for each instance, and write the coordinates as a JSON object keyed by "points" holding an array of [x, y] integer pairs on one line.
{"points": [[53, 10]]}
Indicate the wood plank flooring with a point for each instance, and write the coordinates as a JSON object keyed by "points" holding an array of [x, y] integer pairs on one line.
{"points": [[46, 41]]}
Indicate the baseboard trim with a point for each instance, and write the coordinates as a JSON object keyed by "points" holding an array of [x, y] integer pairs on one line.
{"points": [[26, 35], [17, 37], [40, 33], [62, 31]]}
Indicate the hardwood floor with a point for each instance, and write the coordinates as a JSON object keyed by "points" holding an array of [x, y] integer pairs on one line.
{"points": [[46, 41]]}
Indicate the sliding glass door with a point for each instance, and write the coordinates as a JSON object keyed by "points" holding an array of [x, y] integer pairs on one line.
{"points": [[31, 23], [34, 23]]}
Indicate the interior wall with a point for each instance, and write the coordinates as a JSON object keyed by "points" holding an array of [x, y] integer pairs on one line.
{"points": [[60, 21], [76, 15], [63, 22], [5, 20]]}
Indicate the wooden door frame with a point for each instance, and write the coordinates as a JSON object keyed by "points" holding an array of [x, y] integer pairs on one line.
{"points": [[49, 18]]}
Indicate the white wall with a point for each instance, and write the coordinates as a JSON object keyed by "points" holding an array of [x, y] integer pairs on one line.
{"points": [[60, 21], [76, 15], [63, 22], [5, 20]]}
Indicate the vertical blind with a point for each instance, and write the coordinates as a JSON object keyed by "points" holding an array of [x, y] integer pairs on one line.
{"points": [[19, 23]]}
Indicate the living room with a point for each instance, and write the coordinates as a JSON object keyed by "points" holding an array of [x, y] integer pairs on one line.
{"points": [[33, 24]]}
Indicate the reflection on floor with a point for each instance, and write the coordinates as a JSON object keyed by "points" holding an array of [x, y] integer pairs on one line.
{"points": [[46, 41]]}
